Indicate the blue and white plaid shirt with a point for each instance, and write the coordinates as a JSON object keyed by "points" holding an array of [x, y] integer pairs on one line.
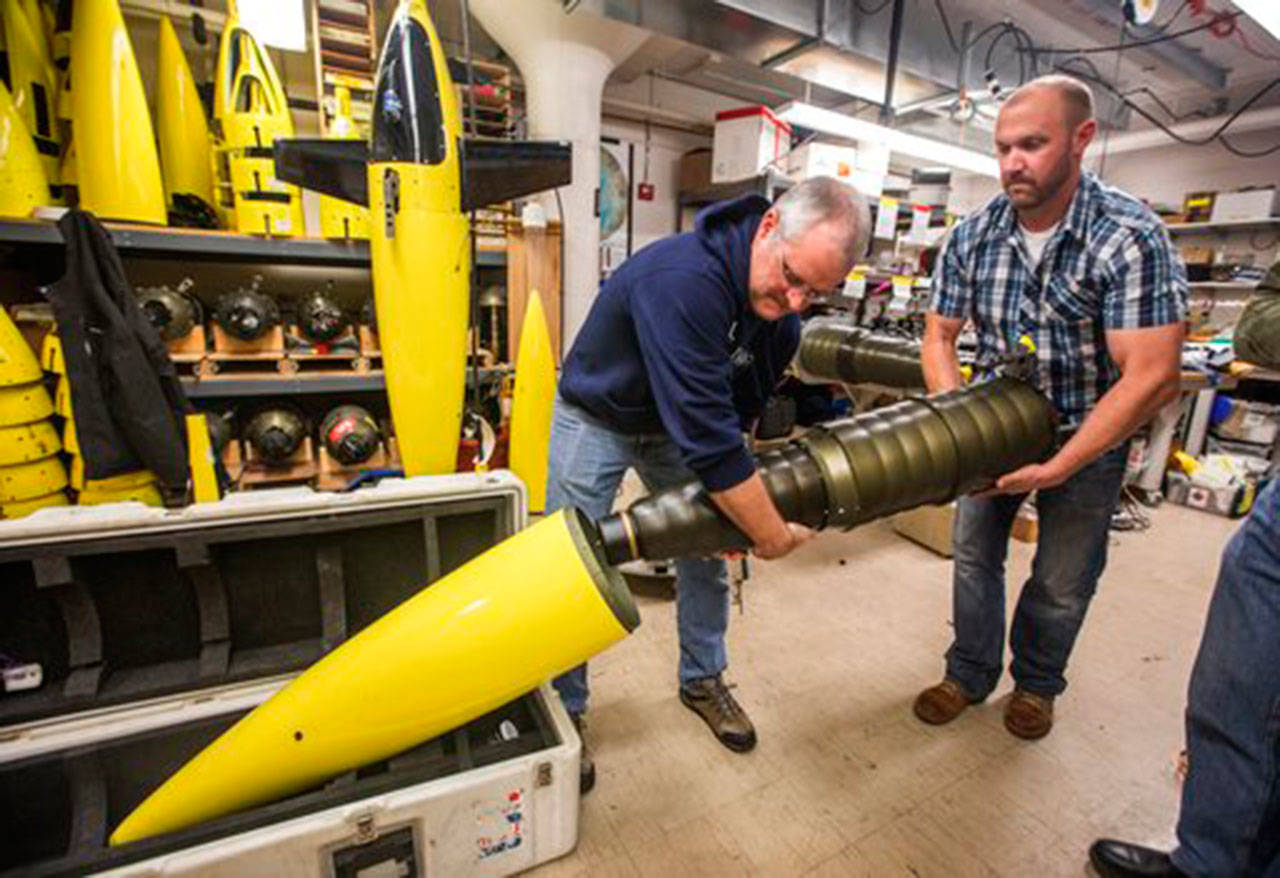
{"points": [[1109, 265]]}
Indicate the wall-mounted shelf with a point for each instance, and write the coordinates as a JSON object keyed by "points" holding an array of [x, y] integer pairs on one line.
{"points": [[205, 245], [1223, 228], [292, 385]]}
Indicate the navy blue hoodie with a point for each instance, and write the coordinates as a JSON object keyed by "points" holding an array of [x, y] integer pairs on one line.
{"points": [[671, 345]]}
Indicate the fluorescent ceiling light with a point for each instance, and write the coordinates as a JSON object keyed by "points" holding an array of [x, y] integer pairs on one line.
{"points": [[935, 151], [1265, 12]]}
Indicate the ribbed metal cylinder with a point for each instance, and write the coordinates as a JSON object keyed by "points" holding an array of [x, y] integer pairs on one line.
{"points": [[836, 352], [849, 472]]}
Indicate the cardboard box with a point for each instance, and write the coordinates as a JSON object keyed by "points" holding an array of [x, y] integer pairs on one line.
{"points": [[822, 159], [1248, 204], [695, 170], [930, 526], [1230, 502], [747, 140]]}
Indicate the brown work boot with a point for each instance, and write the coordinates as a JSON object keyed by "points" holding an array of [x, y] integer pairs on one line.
{"points": [[1028, 715], [710, 699], [939, 705]]}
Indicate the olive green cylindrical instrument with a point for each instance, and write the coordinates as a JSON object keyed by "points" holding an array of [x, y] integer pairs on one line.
{"points": [[849, 472], [854, 355]]}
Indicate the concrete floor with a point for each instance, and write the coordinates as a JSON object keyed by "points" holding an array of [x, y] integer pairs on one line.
{"points": [[833, 645]]}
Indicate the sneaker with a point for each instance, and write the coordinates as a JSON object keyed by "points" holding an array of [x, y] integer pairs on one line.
{"points": [[939, 705], [710, 699], [586, 765], [1028, 715]]}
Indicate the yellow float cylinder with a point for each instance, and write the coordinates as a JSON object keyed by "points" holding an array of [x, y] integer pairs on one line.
{"points": [[185, 147], [23, 508], [24, 404], [18, 363], [23, 183], [118, 170], [532, 403], [28, 442], [526, 610], [25, 481]]}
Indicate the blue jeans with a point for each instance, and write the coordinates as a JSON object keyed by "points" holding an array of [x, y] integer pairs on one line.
{"points": [[585, 467], [1071, 552], [1230, 818]]}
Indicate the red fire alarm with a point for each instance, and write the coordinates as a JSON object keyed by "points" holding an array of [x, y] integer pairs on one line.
{"points": [[644, 192]]}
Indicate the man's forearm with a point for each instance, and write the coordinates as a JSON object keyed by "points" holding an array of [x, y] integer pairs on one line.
{"points": [[1130, 403], [941, 365], [750, 507]]}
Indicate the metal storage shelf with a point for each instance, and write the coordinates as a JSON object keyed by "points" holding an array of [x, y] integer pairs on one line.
{"points": [[1224, 227], [375, 382], [1222, 285], [215, 245]]}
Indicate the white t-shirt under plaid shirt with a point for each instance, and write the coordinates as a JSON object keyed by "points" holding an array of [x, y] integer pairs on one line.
{"points": [[1109, 265]]}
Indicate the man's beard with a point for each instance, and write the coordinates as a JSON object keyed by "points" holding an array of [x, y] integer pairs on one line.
{"points": [[1040, 193]]}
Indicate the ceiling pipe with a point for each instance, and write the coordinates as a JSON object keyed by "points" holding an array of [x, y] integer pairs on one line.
{"points": [[564, 59]]}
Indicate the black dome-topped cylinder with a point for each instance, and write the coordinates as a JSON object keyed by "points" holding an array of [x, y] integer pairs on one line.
{"points": [[849, 472]]}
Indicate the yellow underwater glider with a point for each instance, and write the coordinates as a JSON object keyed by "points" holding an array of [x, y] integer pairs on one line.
{"points": [[535, 394], [419, 176]]}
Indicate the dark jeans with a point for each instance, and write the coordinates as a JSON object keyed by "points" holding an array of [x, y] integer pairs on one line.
{"points": [[586, 465], [1071, 552], [1230, 818]]}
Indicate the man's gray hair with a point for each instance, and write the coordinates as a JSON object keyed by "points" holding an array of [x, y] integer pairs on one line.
{"points": [[826, 200], [1077, 97]]}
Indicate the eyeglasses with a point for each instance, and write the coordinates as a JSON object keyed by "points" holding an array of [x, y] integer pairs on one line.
{"points": [[795, 282]]}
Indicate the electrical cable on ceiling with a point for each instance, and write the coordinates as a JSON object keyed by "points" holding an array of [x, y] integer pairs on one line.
{"points": [[1111, 123], [865, 11], [1138, 44]]}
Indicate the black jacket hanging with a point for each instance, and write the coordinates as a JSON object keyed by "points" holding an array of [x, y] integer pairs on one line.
{"points": [[127, 401]]}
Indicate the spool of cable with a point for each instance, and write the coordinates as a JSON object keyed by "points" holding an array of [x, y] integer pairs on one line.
{"points": [[275, 434], [172, 312], [320, 319], [350, 434], [246, 313]]}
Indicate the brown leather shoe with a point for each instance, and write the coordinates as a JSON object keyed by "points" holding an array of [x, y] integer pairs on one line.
{"points": [[939, 705], [710, 699], [1028, 715]]}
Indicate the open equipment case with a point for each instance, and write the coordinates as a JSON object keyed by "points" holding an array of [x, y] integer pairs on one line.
{"points": [[156, 630]]}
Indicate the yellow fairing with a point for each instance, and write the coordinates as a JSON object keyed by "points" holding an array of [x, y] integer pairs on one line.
{"points": [[23, 183], [531, 408], [421, 280], [28, 442], [23, 508], [338, 218], [24, 481], [185, 147], [62, 398], [32, 81], [18, 364], [51, 354], [526, 610], [147, 494], [24, 404], [118, 170]]}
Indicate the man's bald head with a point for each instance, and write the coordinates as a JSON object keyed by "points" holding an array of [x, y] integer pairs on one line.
{"points": [[1075, 98]]}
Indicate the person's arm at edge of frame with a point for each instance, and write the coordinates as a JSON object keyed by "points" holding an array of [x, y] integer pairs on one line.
{"points": [[1150, 361]]}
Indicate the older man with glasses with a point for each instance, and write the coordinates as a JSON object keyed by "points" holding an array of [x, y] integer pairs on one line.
{"points": [[683, 345]]}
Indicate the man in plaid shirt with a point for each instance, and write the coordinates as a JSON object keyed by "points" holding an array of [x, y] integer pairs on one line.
{"points": [[1089, 275]]}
